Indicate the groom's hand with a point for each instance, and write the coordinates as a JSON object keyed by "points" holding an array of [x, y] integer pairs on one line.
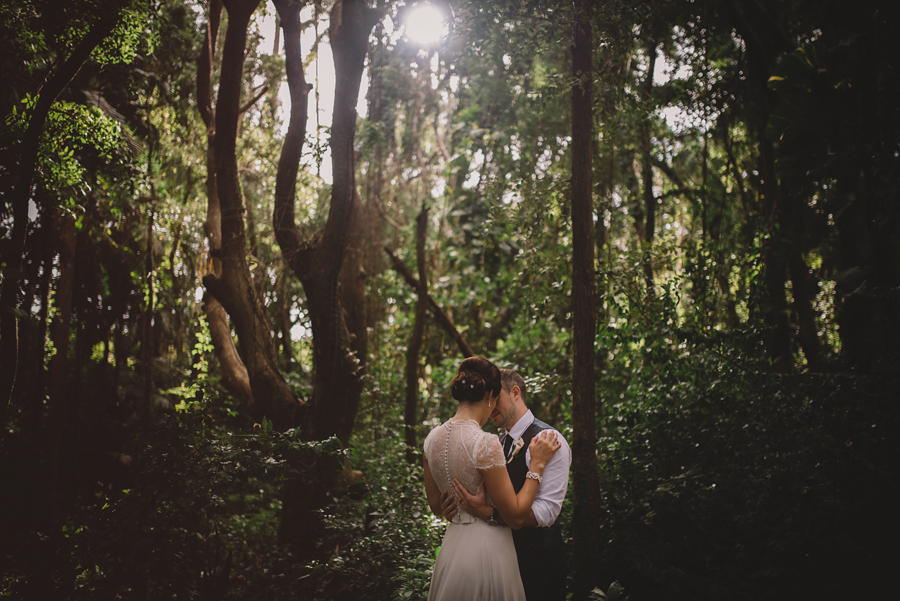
{"points": [[448, 504], [476, 504]]}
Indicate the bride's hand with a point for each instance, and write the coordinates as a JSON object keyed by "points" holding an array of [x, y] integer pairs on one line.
{"points": [[542, 448]]}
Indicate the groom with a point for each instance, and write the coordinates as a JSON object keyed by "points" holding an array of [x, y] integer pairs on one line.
{"points": [[539, 543]]}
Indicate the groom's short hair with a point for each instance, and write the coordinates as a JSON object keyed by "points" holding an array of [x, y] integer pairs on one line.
{"points": [[510, 378]]}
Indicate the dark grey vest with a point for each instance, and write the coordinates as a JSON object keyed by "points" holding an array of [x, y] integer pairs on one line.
{"points": [[540, 550]]}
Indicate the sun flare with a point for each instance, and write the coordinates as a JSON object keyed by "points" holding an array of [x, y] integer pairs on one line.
{"points": [[425, 24]]}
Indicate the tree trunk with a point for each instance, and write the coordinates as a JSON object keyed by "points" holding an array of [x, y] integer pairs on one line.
{"points": [[782, 212], [355, 312], [35, 397], [15, 249], [584, 439], [234, 287], [146, 337], [234, 375], [807, 333], [235, 378], [285, 302], [332, 288], [58, 412], [774, 306], [319, 267], [177, 325], [415, 343], [40, 252], [373, 261], [649, 212]]}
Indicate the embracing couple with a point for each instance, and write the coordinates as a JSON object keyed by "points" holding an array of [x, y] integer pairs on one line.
{"points": [[487, 485]]}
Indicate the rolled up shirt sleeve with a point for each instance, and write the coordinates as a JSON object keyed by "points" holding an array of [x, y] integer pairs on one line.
{"points": [[549, 499]]}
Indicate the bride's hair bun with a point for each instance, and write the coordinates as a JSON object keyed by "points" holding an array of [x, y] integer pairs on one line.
{"points": [[476, 377], [467, 386]]}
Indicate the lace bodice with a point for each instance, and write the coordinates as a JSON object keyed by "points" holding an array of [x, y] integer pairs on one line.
{"points": [[459, 449]]}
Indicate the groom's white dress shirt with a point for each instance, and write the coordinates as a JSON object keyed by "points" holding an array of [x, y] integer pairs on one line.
{"points": [[549, 499]]}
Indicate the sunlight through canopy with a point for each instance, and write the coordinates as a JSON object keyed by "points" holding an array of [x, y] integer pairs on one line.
{"points": [[425, 24]]}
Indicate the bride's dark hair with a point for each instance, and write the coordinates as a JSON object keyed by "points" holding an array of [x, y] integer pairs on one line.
{"points": [[475, 377]]}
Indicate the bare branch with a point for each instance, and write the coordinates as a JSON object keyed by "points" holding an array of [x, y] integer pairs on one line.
{"points": [[439, 314], [256, 98]]}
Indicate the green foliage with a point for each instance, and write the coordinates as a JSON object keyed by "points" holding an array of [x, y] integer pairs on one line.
{"points": [[196, 390], [386, 544], [718, 473], [69, 128], [201, 501], [133, 33], [724, 477]]}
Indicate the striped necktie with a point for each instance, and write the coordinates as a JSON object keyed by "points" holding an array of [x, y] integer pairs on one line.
{"points": [[507, 445]]}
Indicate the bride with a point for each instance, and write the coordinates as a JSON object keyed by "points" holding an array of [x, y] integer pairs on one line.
{"points": [[477, 560]]}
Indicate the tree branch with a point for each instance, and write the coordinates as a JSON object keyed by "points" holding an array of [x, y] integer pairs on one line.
{"points": [[438, 313], [256, 98]]}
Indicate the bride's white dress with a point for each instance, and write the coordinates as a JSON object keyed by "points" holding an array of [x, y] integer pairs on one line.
{"points": [[477, 561]]}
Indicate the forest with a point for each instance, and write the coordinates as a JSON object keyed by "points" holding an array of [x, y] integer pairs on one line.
{"points": [[246, 244]]}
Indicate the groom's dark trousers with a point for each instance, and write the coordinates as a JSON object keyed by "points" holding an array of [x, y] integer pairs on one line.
{"points": [[540, 550]]}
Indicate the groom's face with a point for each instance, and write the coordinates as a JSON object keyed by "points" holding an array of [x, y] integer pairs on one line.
{"points": [[503, 414]]}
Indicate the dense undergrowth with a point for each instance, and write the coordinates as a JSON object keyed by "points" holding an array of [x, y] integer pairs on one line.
{"points": [[199, 520], [722, 479], [726, 479]]}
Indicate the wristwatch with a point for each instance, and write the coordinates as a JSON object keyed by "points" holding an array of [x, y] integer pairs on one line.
{"points": [[494, 517]]}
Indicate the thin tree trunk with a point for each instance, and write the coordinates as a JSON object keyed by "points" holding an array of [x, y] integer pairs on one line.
{"points": [[649, 212], [284, 324], [415, 343], [584, 439], [234, 375], [791, 215], [775, 309], [36, 398], [59, 398], [375, 217], [354, 305], [177, 326], [31, 347], [800, 289], [146, 344]]}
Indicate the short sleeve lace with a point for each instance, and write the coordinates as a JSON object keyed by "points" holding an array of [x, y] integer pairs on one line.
{"points": [[461, 449], [488, 452], [429, 442]]}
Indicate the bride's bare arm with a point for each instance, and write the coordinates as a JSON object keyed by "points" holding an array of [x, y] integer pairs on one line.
{"points": [[476, 505], [515, 509], [432, 492]]}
